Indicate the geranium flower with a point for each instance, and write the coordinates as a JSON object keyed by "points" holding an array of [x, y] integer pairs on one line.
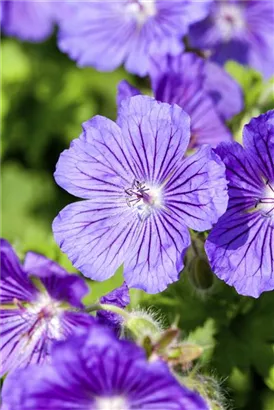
{"points": [[96, 371], [202, 88], [31, 317], [106, 34], [240, 247], [141, 194], [240, 30]]}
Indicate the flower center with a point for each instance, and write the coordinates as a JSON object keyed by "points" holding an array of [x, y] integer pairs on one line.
{"points": [[144, 197], [230, 20], [266, 202], [141, 10], [44, 314], [111, 403]]}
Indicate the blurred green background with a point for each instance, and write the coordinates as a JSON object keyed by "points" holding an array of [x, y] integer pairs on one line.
{"points": [[45, 98]]}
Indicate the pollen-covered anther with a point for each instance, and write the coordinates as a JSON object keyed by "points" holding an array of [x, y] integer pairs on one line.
{"points": [[144, 197]]}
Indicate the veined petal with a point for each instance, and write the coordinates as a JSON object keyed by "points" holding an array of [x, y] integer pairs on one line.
{"points": [[198, 190], [59, 284], [185, 80], [156, 257], [26, 337], [96, 235], [156, 135], [118, 297], [14, 282], [241, 252], [95, 368], [95, 164], [258, 137], [245, 182], [105, 26]]}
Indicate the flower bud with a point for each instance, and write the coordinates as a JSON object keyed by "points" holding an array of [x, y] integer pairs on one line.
{"points": [[142, 325], [200, 274], [208, 387]]}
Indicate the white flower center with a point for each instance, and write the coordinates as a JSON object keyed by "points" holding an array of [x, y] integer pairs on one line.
{"points": [[46, 312], [111, 403], [141, 10], [266, 202], [144, 198], [230, 20]]}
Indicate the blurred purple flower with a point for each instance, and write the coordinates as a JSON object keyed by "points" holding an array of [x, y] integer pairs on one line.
{"points": [[240, 30], [203, 89], [141, 194], [96, 371], [31, 318], [118, 297], [240, 247], [106, 34], [30, 20]]}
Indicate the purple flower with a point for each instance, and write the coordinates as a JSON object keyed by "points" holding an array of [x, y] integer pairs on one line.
{"points": [[238, 30], [203, 89], [240, 247], [29, 20], [118, 297], [106, 34], [141, 195], [96, 371], [32, 317]]}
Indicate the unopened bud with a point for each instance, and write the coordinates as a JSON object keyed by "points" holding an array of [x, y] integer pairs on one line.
{"points": [[200, 274], [142, 325]]}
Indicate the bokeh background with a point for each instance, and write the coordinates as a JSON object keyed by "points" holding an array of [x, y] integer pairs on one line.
{"points": [[45, 98]]}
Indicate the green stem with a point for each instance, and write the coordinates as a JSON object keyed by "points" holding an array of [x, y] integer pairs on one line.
{"points": [[110, 308]]}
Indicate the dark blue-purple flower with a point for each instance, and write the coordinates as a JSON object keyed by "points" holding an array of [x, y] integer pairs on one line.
{"points": [[31, 316], [96, 371], [240, 30], [30, 20], [106, 34], [240, 247], [118, 297], [203, 89], [141, 195]]}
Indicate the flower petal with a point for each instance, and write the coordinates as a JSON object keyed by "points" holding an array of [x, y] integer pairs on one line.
{"points": [[97, 366], [156, 135], [258, 137], [224, 91], [183, 80], [14, 283], [96, 236], [234, 248], [118, 297], [126, 90], [198, 190], [60, 285], [105, 26], [156, 257], [95, 164]]}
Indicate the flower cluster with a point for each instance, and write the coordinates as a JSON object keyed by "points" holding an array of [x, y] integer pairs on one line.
{"points": [[168, 166]]}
